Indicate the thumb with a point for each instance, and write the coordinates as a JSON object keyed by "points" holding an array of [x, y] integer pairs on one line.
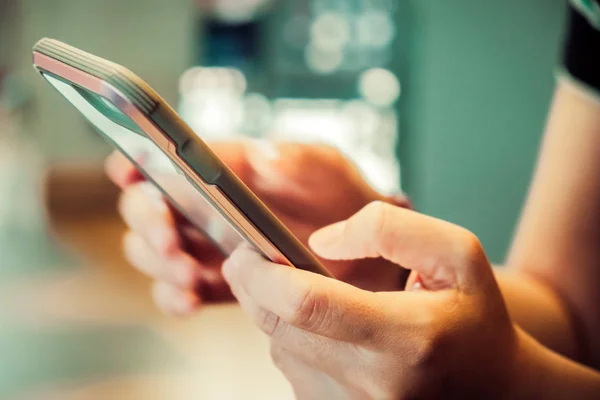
{"points": [[444, 255]]}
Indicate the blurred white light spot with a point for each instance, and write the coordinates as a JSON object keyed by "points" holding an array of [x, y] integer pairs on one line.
{"points": [[310, 124], [364, 117], [224, 78], [187, 79], [239, 81], [330, 31], [199, 80], [219, 115], [379, 86], [237, 10], [383, 174], [375, 29], [257, 112], [322, 62], [205, 79]]}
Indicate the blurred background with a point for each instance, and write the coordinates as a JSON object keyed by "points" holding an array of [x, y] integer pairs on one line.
{"points": [[443, 100]]}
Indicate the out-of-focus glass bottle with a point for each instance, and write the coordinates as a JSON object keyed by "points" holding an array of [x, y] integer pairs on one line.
{"points": [[309, 71]]}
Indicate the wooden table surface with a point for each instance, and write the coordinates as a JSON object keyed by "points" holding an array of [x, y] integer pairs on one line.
{"points": [[91, 332]]}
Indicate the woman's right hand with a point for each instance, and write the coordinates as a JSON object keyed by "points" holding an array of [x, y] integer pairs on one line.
{"points": [[306, 186]]}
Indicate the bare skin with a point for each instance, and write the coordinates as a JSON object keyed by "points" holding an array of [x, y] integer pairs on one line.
{"points": [[293, 180], [460, 326]]}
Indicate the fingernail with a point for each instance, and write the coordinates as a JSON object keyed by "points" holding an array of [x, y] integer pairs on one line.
{"points": [[327, 236], [228, 268]]}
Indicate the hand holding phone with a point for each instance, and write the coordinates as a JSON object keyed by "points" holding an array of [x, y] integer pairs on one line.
{"points": [[304, 189], [303, 204], [131, 116]]}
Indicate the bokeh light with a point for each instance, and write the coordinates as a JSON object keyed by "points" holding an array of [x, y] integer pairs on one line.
{"points": [[323, 62], [257, 113], [330, 31], [379, 86], [374, 28]]}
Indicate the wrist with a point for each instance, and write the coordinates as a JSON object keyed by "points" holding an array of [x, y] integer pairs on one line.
{"points": [[526, 372]]}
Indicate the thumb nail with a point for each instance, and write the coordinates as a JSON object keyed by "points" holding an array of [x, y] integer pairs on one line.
{"points": [[324, 238]]}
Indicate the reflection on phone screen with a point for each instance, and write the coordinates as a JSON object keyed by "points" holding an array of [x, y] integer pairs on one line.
{"points": [[125, 135]]}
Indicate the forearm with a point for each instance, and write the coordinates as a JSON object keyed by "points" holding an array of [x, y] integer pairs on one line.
{"points": [[540, 373], [556, 242], [539, 311]]}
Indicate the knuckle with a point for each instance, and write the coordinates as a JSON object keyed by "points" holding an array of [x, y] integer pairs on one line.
{"points": [[310, 309], [379, 216], [270, 323], [377, 212], [471, 247], [242, 256], [374, 208]]}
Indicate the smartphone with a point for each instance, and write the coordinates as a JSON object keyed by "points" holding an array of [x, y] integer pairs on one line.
{"points": [[132, 117]]}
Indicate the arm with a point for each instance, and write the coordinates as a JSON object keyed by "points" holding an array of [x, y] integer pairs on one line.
{"points": [[553, 286], [552, 289], [450, 336], [542, 374]]}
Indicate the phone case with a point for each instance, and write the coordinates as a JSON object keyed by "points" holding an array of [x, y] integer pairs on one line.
{"points": [[219, 185]]}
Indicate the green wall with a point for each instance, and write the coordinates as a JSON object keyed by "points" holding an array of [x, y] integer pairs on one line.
{"points": [[477, 79], [480, 82], [151, 37]]}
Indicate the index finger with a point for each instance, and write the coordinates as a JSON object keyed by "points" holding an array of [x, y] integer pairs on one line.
{"points": [[308, 301]]}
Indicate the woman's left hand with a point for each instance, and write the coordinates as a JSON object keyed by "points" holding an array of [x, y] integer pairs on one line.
{"points": [[449, 335]]}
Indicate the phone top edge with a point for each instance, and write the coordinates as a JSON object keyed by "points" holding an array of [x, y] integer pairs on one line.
{"points": [[188, 147], [137, 92]]}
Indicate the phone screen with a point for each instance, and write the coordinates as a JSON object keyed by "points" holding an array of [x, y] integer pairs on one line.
{"points": [[152, 162]]}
